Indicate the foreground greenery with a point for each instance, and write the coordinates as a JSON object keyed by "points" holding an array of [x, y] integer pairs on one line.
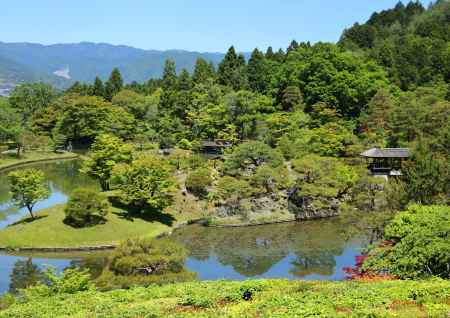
{"points": [[417, 244], [265, 298]]}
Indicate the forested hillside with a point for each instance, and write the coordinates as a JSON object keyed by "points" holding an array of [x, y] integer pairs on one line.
{"points": [[410, 41]]}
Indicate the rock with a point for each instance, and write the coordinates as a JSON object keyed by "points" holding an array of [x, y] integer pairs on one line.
{"points": [[309, 207]]}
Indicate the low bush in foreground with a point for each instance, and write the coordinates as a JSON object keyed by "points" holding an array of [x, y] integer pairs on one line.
{"points": [[264, 298]]}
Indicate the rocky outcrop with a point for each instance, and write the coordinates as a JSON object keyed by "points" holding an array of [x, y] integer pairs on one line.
{"points": [[265, 208], [309, 208]]}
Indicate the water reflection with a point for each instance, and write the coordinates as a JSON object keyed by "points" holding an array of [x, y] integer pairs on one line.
{"points": [[63, 178], [309, 250], [24, 274]]}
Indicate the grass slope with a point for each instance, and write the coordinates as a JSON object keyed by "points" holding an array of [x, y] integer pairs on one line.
{"points": [[49, 230], [269, 298]]}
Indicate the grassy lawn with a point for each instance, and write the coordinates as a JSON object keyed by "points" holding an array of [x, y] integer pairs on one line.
{"points": [[7, 161], [266, 298], [48, 230]]}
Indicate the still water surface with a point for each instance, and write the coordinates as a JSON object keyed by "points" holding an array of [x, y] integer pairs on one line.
{"points": [[308, 250]]}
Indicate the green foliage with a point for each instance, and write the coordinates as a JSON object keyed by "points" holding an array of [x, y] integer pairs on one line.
{"points": [[147, 257], [106, 152], [231, 71], [409, 41], [250, 155], [320, 176], [70, 281], [28, 186], [203, 72], [147, 182], [269, 298], [31, 97], [86, 208], [420, 245], [10, 122], [326, 74], [268, 179], [114, 84], [229, 188], [198, 181], [292, 99], [145, 262], [84, 118]]}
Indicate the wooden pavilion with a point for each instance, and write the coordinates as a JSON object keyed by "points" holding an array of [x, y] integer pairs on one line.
{"points": [[386, 162]]}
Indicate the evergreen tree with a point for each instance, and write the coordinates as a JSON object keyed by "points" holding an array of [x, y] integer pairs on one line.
{"points": [[114, 84], [292, 99], [228, 67], [293, 46], [270, 55], [184, 80], [99, 88], [256, 72], [279, 56], [169, 80], [202, 71]]}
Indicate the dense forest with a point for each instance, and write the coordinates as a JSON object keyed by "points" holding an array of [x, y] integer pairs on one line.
{"points": [[291, 124]]}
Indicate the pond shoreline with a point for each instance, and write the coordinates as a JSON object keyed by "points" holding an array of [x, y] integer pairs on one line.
{"points": [[108, 247], [66, 156]]}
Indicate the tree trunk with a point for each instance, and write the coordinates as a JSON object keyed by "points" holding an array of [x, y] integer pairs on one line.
{"points": [[30, 209]]}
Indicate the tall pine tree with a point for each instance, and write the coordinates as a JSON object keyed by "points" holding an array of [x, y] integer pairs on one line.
{"points": [[257, 72], [202, 71], [169, 80], [99, 88], [114, 84], [227, 67], [184, 80]]}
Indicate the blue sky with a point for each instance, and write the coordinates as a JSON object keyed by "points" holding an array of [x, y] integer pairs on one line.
{"points": [[199, 25]]}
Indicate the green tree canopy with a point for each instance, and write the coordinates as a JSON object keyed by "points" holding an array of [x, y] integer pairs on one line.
{"points": [[106, 152], [146, 183], [114, 84], [28, 187]]}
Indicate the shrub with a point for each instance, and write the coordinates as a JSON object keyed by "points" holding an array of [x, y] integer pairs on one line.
{"points": [[417, 246], [86, 208], [198, 182], [70, 281], [144, 262], [270, 179], [232, 188]]}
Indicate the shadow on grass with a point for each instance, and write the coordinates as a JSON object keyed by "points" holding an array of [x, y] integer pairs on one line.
{"points": [[28, 220], [148, 214], [91, 222]]}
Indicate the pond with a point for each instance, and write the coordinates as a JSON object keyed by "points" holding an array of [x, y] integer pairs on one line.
{"points": [[63, 177], [301, 250]]}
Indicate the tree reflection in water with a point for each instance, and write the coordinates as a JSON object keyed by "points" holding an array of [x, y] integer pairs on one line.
{"points": [[24, 274], [253, 251]]}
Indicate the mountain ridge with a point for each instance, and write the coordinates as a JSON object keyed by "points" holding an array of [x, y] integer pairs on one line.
{"points": [[26, 61]]}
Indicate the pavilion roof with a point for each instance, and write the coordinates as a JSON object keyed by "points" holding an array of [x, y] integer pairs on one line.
{"points": [[386, 153]]}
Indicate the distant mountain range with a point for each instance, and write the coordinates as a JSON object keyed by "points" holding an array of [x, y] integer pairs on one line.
{"points": [[63, 64]]}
